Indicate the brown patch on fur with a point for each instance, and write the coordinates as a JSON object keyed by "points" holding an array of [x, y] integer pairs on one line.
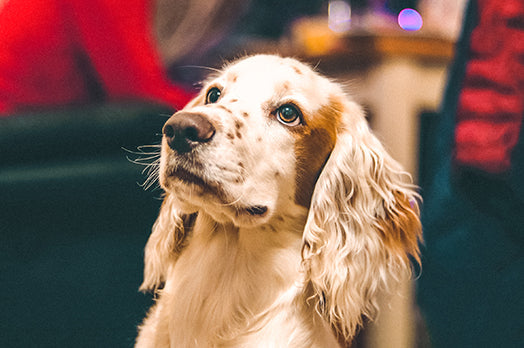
{"points": [[234, 100], [313, 147], [401, 229], [230, 136], [280, 90], [297, 70], [224, 108], [239, 135], [245, 114], [238, 124], [233, 77]]}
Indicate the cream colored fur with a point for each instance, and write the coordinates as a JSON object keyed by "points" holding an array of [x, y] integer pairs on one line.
{"points": [[295, 276]]}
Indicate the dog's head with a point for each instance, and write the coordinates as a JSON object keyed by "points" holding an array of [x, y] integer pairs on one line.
{"points": [[270, 137], [253, 143]]}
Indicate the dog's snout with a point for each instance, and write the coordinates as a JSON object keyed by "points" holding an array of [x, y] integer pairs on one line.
{"points": [[184, 131]]}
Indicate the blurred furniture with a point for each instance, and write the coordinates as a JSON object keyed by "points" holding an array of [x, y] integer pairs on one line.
{"points": [[396, 76], [73, 225]]}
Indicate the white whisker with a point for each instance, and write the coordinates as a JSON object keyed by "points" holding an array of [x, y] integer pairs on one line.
{"points": [[149, 157], [200, 67]]}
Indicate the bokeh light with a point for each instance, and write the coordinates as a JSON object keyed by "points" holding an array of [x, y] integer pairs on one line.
{"points": [[409, 19], [339, 16]]}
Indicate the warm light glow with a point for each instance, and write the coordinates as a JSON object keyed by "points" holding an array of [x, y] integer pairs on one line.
{"points": [[409, 19], [339, 16]]}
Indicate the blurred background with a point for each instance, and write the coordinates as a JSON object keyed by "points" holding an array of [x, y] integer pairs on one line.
{"points": [[81, 82]]}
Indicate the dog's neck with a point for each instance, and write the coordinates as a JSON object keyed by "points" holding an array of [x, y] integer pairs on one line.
{"points": [[237, 274], [228, 249]]}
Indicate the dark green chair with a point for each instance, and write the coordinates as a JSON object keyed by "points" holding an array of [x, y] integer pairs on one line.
{"points": [[73, 225]]}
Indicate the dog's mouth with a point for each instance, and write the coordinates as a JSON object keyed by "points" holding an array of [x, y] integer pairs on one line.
{"points": [[189, 178], [257, 210]]}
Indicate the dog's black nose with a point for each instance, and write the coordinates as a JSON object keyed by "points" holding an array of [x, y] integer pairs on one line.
{"points": [[184, 131]]}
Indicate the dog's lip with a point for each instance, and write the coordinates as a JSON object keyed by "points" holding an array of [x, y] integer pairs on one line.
{"points": [[189, 177], [257, 210]]}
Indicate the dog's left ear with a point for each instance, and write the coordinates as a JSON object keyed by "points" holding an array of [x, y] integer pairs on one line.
{"points": [[362, 228], [167, 239]]}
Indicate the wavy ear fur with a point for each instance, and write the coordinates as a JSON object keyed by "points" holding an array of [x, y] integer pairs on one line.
{"points": [[362, 227], [165, 242]]}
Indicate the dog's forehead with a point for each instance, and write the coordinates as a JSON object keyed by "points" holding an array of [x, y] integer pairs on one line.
{"points": [[267, 76], [264, 64]]}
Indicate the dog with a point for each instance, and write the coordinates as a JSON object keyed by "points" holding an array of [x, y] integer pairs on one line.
{"points": [[283, 214]]}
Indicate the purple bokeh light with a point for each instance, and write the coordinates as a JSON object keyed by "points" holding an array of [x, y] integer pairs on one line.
{"points": [[409, 19]]}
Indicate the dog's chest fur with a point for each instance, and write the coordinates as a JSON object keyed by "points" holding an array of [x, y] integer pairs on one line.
{"points": [[236, 290]]}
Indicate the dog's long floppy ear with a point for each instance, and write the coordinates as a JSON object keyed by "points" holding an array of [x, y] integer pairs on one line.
{"points": [[363, 226], [165, 243]]}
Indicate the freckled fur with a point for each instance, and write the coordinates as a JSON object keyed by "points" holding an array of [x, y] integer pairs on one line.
{"points": [[336, 220]]}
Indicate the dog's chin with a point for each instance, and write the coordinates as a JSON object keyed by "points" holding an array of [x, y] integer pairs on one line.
{"points": [[236, 214], [195, 194]]}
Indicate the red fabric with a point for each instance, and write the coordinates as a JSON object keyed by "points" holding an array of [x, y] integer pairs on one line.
{"points": [[43, 44], [491, 104]]}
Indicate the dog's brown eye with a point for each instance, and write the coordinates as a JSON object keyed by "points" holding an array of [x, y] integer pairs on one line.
{"points": [[213, 95], [289, 115]]}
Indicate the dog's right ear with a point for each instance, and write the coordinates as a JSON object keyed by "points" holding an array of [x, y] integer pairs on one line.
{"points": [[165, 243]]}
